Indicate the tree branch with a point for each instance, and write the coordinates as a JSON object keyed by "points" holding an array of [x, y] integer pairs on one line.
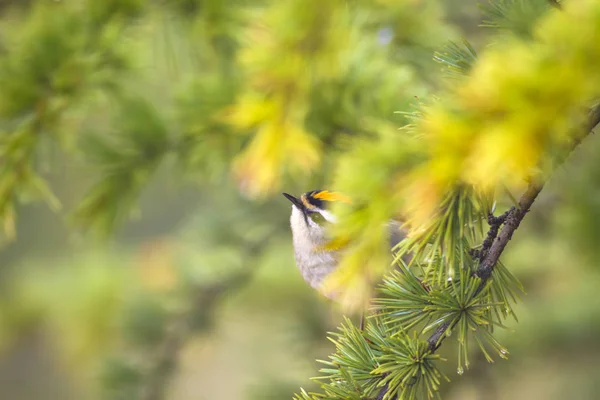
{"points": [[515, 215], [197, 317], [512, 222], [496, 240], [203, 303], [492, 248]]}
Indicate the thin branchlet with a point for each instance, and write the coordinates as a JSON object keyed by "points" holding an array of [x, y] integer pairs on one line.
{"points": [[497, 239]]}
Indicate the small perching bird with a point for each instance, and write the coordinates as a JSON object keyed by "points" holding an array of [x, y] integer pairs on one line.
{"points": [[311, 214]]}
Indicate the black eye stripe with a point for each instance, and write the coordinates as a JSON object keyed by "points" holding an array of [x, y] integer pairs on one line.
{"points": [[318, 203]]}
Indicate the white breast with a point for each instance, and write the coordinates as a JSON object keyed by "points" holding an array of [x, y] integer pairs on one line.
{"points": [[314, 264]]}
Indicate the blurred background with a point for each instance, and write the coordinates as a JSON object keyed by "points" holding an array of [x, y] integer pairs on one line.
{"points": [[144, 106]]}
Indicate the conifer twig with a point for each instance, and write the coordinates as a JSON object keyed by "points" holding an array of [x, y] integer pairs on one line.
{"points": [[512, 220], [499, 238], [516, 215]]}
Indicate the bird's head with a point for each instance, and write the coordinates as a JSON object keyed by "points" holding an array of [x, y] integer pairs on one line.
{"points": [[314, 206]]}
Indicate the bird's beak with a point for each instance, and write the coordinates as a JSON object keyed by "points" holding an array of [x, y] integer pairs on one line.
{"points": [[295, 201]]}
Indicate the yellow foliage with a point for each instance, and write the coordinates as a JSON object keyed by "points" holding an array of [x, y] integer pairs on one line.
{"points": [[276, 145], [501, 158], [291, 47], [499, 127], [352, 284], [250, 111], [422, 195], [365, 258], [520, 103]]}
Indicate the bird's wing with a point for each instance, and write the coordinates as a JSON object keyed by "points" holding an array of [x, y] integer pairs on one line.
{"points": [[396, 232]]}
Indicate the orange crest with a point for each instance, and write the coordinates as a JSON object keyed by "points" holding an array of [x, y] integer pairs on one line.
{"points": [[332, 196]]}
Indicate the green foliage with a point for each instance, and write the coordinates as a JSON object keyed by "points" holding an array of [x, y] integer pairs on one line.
{"points": [[409, 303], [145, 323], [450, 190], [355, 357], [365, 361], [99, 12], [207, 146], [515, 16], [476, 138], [457, 59], [279, 94], [120, 380], [407, 364], [325, 49], [449, 236], [51, 62], [128, 164]]}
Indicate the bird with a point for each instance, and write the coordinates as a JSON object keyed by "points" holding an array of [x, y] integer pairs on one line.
{"points": [[309, 220]]}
